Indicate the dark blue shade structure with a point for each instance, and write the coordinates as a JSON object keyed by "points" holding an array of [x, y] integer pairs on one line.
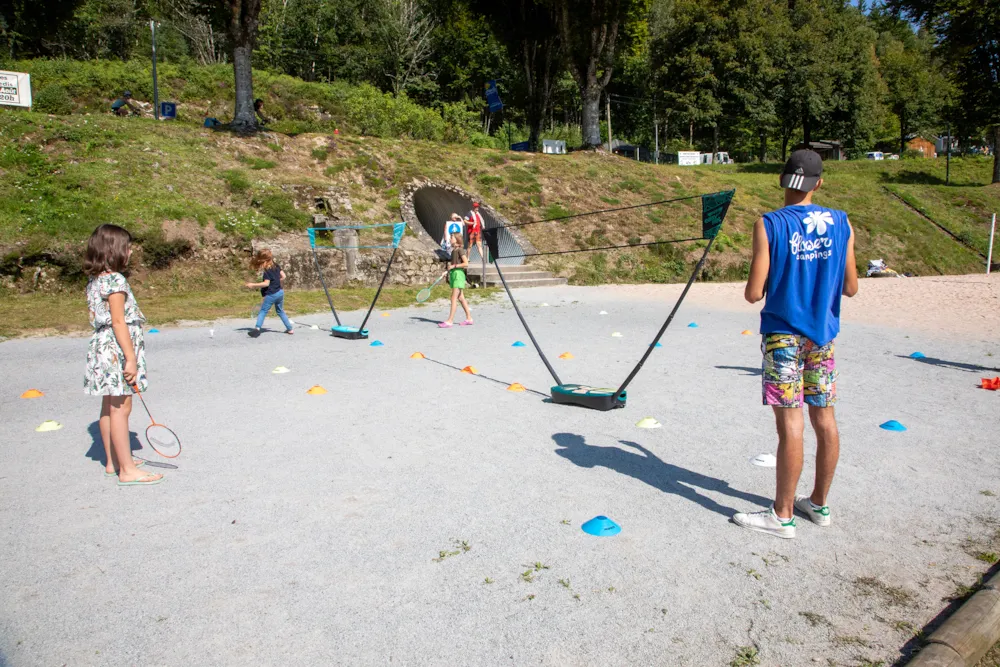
{"points": [[341, 330], [713, 213]]}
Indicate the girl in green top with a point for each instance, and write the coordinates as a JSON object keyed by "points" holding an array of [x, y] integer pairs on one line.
{"points": [[456, 280]]}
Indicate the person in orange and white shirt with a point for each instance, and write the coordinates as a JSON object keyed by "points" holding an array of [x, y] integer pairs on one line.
{"points": [[475, 228]]}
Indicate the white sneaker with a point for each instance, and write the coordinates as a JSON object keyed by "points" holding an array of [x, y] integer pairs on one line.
{"points": [[819, 515], [766, 521]]}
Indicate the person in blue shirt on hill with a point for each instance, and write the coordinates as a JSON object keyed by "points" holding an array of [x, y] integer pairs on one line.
{"points": [[803, 261]]}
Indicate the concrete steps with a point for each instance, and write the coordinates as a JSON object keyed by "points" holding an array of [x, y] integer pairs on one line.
{"points": [[516, 276]]}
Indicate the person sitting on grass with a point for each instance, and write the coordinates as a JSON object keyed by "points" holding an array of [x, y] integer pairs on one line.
{"points": [[456, 280], [258, 108], [124, 105]]}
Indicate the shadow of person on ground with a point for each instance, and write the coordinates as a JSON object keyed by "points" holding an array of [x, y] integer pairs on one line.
{"points": [[971, 368], [254, 333], [647, 467], [747, 370], [425, 319], [96, 451]]}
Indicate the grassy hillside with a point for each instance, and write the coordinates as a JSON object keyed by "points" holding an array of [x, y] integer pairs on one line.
{"points": [[176, 184]]}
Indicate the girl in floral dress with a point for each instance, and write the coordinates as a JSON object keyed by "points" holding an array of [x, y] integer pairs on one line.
{"points": [[116, 357]]}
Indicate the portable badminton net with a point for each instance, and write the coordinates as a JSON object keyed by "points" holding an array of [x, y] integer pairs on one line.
{"points": [[714, 207], [340, 330]]}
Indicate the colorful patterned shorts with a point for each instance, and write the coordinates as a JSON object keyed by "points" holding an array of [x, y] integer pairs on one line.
{"points": [[794, 367]]}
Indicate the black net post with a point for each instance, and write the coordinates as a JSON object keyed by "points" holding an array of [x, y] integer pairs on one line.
{"points": [[379, 290], [530, 335], [322, 282]]}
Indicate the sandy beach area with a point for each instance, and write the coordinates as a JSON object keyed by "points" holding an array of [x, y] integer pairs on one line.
{"points": [[967, 306]]}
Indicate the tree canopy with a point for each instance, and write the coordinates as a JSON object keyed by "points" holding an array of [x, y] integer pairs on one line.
{"points": [[752, 77]]}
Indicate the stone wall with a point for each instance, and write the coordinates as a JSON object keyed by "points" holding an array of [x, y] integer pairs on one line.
{"points": [[413, 264]]}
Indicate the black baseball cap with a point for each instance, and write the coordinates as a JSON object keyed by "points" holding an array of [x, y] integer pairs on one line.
{"points": [[802, 171]]}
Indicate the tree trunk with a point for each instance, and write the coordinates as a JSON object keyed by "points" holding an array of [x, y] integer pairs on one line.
{"points": [[715, 141], [996, 154], [244, 120], [763, 146], [784, 147], [690, 134], [902, 133], [589, 39], [591, 124], [806, 130]]}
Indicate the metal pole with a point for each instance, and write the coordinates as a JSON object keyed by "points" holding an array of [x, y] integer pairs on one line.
{"points": [[656, 131], [947, 160], [156, 90], [611, 146], [989, 257]]}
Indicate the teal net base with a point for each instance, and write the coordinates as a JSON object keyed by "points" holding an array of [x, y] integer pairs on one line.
{"points": [[350, 333], [588, 397]]}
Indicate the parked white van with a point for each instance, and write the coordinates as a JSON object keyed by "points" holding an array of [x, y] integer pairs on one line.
{"points": [[875, 155]]}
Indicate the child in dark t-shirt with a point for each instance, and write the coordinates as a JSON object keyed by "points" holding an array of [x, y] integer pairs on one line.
{"points": [[270, 289]]}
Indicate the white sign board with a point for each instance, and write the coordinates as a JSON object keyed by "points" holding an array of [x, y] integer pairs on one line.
{"points": [[15, 89], [688, 158], [553, 147]]}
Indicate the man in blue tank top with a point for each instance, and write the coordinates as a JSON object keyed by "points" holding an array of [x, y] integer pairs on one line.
{"points": [[803, 261]]}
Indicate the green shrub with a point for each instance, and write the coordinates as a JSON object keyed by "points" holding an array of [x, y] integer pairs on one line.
{"points": [[489, 181], [53, 99], [556, 211], [275, 147], [319, 154], [158, 252], [337, 167], [460, 122], [236, 179], [258, 163], [379, 114], [281, 209]]}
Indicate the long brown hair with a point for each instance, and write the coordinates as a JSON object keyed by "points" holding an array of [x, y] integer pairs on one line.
{"points": [[262, 260], [107, 250]]}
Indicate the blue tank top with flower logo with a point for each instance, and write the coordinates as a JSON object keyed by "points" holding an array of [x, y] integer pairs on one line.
{"points": [[808, 247]]}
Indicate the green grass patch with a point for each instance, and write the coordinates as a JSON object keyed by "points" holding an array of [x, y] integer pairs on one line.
{"points": [[258, 163], [65, 312], [556, 211], [236, 180]]}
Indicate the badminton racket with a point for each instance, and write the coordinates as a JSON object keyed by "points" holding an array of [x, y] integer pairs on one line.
{"points": [[163, 441], [425, 293]]}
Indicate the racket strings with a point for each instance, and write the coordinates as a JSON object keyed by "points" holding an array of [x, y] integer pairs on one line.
{"points": [[163, 441]]}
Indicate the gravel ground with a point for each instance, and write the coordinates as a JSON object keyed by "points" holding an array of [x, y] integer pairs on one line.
{"points": [[416, 515]]}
